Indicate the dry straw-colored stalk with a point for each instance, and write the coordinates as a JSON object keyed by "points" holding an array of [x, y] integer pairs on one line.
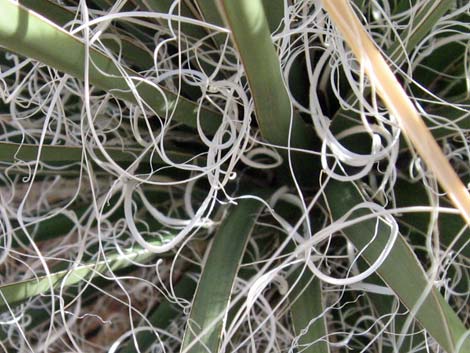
{"points": [[397, 101]]}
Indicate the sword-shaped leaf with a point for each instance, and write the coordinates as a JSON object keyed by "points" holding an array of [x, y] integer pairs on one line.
{"points": [[15, 293], [29, 34], [401, 270], [211, 302]]}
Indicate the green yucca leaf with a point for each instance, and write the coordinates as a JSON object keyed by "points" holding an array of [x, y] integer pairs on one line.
{"points": [[127, 47], [413, 194], [274, 11], [413, 338], [209, 12], [60, 224], [277, 121], [424, 21], [401, 270], [31, 35], [263, 56], [212, 298], [15, 293], [51, 10], [456, 123], [163, 6], [50, 228], [382, 305], [39, 316], [307, 305], [250, 32], [11, 152], [161, 317]]}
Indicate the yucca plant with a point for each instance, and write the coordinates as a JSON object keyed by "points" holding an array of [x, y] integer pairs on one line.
{"points": [[234, 176]]}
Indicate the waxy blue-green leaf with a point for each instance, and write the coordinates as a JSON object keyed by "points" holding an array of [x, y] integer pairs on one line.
{"points": [[410, 194], [182, 8]]}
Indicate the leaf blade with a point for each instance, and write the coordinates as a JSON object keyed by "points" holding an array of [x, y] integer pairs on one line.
{"points": [[251, 35], [401, 270], [32, 35], [11, 152], [306, 305], [15, 293], [161, 317], [210, 304]]}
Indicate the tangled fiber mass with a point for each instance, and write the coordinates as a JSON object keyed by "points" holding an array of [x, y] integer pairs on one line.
{"points": [[134, 142]]}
